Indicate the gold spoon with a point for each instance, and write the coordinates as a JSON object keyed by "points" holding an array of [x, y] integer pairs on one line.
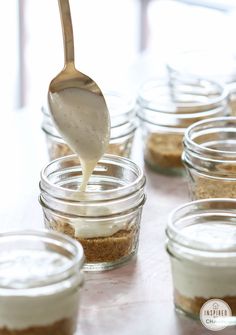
{"points": [[77, 105]]}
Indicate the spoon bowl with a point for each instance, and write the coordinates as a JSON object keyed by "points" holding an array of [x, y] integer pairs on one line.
{"points": [[70, 77]]}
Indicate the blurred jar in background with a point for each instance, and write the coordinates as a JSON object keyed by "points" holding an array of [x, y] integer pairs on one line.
{"points": [[123, 127], [212, 64], [166, 109]]}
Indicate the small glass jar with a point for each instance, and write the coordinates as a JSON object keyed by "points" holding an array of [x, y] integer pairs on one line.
{"points": [[202, 248], [210, 158], [106, 218], [216, 65], [167, 109], [40, 282], [123, 127]]}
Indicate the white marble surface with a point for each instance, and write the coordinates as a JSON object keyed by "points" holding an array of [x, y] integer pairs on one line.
{"points": [[135, 299]]}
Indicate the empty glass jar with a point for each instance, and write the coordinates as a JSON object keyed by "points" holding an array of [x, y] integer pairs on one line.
{"points": [[166, 109], [106, 218], [40, 282], [202, 248], [123, 127], [210, 158]]}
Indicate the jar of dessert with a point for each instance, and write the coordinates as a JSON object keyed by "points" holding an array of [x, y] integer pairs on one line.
{"points": [[210, 158], [123, 127], [40, 283], [202, 248], [106, 218], [166, 109], [216, 65]]}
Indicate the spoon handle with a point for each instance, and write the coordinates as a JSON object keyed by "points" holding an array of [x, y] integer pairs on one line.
{"points": [[67, 31]]}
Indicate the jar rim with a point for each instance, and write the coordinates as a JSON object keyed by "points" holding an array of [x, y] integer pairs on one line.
{"points": [[185, 107], [59, 240], [72, 194], [224, 208], [192, 145], [182, 63]]}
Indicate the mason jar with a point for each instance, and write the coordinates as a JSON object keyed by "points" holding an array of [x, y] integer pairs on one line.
{"points": [[40, 282], [106, 218], [166, 109], [210, 158], [216, 65], [123, 128], [202, 248]]}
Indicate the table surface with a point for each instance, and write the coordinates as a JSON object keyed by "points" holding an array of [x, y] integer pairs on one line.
{"points": [[135, 299]]}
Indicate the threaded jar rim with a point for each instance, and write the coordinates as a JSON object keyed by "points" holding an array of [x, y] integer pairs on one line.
{"points": [[71, 165], [210, 126], [212, 214]]}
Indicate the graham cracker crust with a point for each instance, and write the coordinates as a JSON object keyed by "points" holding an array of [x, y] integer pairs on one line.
{"points": [[57, 150], [62, 327], [164, 150], [193, 305], [102, 249], [108, 249], [213, 188]]}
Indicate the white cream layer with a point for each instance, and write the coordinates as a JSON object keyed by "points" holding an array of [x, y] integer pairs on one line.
{"points": [[19, 269], [102, 228], [193, 279], [206, 275], [21, 312]]}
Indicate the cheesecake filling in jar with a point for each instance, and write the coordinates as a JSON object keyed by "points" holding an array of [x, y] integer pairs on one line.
{"points": [[202, 248], [105, 218], [40, 281]]}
